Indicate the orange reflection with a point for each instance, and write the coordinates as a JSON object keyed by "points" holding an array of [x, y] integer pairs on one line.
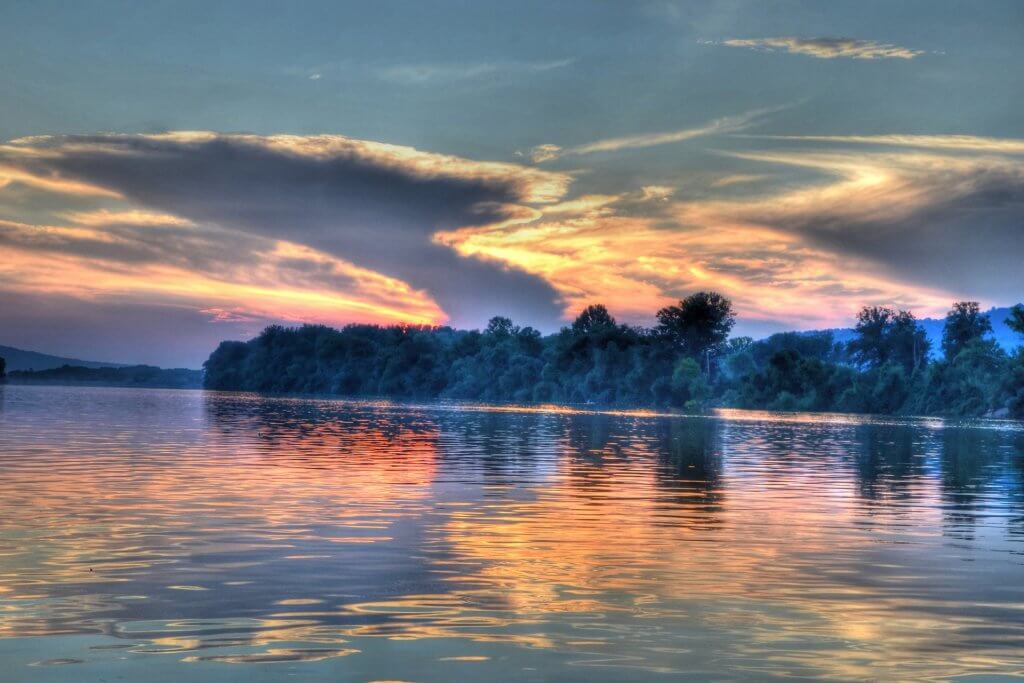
{"points": [[295, 530]]}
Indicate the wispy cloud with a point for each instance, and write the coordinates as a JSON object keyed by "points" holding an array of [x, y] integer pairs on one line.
{"points": [[426, 74], [971, 143], [737, 179], [12, 176], [827, 48], [726, 124], [104, 217]]}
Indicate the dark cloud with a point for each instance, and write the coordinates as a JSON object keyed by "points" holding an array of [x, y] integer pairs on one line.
{"points": [[133, 245], [374, 205], [951, 223], [958, 246]]}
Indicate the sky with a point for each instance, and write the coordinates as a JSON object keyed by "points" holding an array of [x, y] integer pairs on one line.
{"points": [[173, 174]]}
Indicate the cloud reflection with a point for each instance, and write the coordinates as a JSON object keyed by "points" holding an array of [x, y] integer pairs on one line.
{"points": [[348, 529]]}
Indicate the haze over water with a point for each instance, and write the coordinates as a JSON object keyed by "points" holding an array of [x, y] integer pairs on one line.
{"points": [[173, 535]]}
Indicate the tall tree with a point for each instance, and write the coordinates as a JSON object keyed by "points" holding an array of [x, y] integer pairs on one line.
{"points": [[871, 345], [698, 325], [964, 323], [595, 318], [500, 327]]}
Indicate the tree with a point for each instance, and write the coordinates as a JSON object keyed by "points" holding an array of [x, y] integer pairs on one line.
{"points": [[908, 342], [1014, 382], [964, 324], [698, 325], [885, 335], [500, 327], [3, 368], [594, 318], [870, 347], [740, 344], [1016, 320], [596, 360]]}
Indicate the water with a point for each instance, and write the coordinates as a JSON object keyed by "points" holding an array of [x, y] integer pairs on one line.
{"points": [[172, 535]]}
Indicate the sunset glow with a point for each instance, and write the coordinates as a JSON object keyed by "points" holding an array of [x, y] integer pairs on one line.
{"points": [[781, 197]]}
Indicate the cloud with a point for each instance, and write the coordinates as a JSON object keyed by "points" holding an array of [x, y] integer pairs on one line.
{"points": [[969, 143], [656, 192], [12, 175], [737, 179], [127, 217], [939, 220], [634, 264], [906, 227], [353, 201], [546, 152], [827, 48], [206, 269], [239, 228], [726, 124], [430, 74]]}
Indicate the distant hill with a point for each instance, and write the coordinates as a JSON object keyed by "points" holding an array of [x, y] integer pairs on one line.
{"points": [[129, 376], [1004, 336], [19, 359]]}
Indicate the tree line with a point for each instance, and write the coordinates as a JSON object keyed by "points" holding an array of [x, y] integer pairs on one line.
{"points": [[687, 360], [128, 376]]}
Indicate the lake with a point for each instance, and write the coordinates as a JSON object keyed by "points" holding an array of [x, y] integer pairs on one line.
{"points": [[180, 535]]}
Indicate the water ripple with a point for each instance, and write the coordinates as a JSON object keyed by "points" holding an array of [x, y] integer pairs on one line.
{"points": [[199, 532]]}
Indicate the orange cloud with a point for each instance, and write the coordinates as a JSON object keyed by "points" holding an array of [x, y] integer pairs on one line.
{"points": [[10, 175], [772, 253], [127, 217], [807, 254], [285, 282]]}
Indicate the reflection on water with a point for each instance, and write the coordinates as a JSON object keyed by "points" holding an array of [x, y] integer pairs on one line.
{"points": [[173, 535]]}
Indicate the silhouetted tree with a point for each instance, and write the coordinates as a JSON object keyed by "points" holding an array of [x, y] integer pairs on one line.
{"points": [[698, 325], [593, 319], [870, 347], [499, 326], [964, 323]]}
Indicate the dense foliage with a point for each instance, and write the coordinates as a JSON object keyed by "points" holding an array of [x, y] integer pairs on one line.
{"points": [[686, 361], [132, 376]]}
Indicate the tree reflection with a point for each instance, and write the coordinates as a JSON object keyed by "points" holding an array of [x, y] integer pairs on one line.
{"points": [[889, 461], [690, 463], [975, 466]]}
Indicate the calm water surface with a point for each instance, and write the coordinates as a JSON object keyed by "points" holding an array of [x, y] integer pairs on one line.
{"points": [[172, 535]]}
